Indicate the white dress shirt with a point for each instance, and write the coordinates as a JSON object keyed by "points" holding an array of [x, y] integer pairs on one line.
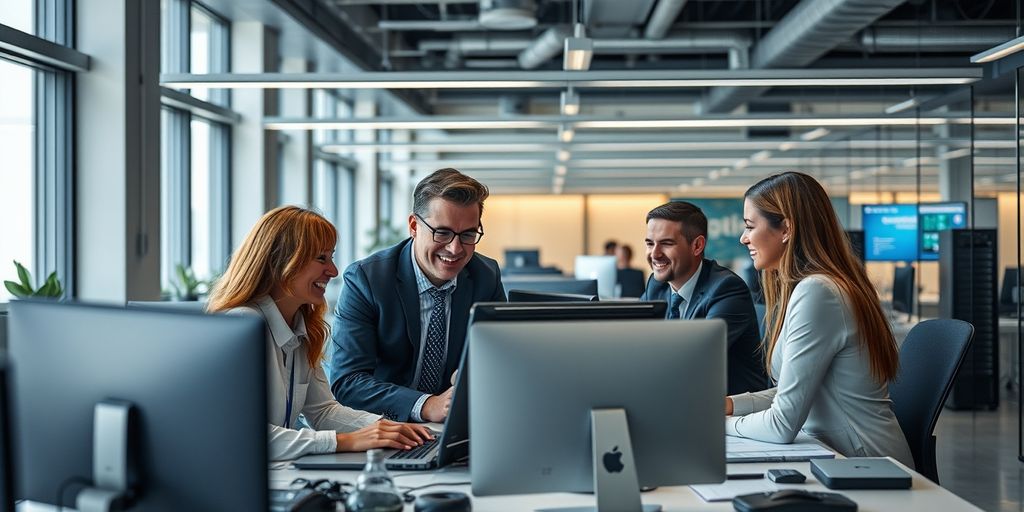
{"points": [[311, 396], [686, 290], [824, 385]]}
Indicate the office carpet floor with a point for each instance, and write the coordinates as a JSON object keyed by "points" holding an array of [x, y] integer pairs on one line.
{"points": [[977, 456]]}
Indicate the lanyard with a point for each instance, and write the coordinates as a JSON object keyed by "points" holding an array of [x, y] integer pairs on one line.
{"points": [[291, 388]]}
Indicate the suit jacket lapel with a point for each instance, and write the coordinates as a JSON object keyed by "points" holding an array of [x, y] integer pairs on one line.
{"points": [[408, 295], [698, 290]]}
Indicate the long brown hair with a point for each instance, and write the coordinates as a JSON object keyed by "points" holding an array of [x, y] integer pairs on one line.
{"points": [[817, 245], [281, 243]]}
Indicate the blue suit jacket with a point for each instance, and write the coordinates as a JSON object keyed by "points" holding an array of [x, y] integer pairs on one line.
{"points": [[722, 294], [376, 328]]}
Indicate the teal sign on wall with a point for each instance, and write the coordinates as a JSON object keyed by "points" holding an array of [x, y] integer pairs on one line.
{"points": [[725, 225]]}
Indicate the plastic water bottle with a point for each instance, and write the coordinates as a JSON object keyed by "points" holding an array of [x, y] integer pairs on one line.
{"points": [[375, 490]]}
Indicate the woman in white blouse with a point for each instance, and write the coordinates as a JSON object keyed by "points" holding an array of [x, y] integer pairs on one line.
{"points": [[828, 345], [280, 273]]}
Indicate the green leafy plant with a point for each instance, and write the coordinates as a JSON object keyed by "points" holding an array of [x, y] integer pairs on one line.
{"points": [[385, 236], [22, 288], [187, 287]]}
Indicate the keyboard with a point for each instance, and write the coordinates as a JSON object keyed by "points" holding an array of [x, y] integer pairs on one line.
{"points": [[418, 452]]}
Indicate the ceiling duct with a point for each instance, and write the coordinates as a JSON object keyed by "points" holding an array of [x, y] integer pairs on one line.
{"points": [[809, 30], [665, 13], [508, 14], [933, 39], [547, 46]]}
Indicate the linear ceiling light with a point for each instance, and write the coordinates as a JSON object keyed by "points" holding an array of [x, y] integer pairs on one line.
{"points": [[615, 123], [901, 106], [579, 50], [589, 79], [814, 134], [998, 52]]}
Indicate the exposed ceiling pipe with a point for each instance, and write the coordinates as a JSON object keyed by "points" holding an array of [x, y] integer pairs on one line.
{"points": [[664, 14], [933, 39], [809, 30], [547, 46], [736, 44]]}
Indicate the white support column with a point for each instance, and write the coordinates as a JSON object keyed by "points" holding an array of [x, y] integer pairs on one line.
{"points": [[366, 175], [254, 150], [954, 174], [297, 171], [402, 185], [117, 211]]}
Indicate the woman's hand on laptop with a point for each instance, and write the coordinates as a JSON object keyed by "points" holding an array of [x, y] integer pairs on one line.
{"points": [[384, 434]]}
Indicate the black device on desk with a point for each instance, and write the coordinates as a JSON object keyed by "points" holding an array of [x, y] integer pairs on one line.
{"points": [[785, 476], [793, 500], [300, 500]]}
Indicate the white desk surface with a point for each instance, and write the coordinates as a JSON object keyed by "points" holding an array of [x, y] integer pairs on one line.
{"points": [[924, 496]]}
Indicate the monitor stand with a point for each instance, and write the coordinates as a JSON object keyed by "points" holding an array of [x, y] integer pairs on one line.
{"points": [[115, 425], [616, 485]]}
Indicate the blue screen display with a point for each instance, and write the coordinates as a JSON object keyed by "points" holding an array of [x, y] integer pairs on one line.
{"points": [[935, 218], [890, 232]]}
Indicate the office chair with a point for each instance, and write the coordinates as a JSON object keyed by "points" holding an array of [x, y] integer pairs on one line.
{"points": [[930, 359], [631, 282]]}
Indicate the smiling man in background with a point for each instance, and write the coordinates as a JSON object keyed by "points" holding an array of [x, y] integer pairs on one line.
{"points": [[695, 287], [400, 324]]}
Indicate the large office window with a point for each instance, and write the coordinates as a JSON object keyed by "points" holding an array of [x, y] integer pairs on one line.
{"points": [[35, 134], [17, 184], [195, 146], [334, 175]]}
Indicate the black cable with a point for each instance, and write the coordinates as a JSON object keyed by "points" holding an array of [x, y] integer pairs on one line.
{"points": [[59, 502], [407, 494]]}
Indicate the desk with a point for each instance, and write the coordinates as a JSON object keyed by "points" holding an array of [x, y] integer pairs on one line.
{"points": [[924, 496]]}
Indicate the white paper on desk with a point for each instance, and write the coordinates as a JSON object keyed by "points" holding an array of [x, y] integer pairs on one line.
{"points": [[731, 488], [740, 449]]}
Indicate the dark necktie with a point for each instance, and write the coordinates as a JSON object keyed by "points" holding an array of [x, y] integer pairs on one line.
{"points": [[673, 306], [433, 352]]}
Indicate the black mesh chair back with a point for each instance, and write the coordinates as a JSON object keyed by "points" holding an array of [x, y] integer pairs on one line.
{"points": [[930, 358]]}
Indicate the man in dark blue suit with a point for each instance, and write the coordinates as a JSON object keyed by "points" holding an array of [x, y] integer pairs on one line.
{"points": [[696, 287], [400, 323]]}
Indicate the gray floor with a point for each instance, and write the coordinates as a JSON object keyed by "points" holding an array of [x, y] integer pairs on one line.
{"points": [[977, 456]]}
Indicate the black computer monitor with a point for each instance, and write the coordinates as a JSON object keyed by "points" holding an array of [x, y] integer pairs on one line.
{"points": [[522, 258], [197, 383], [532, 296], [903, 289], [660, 383], [194, 306], [7, 473], [534, 311], [556, 285], [1007, 299]]}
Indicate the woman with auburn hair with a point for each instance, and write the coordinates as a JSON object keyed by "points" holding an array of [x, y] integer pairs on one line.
{"points": [[281, 273], [828, 345]]}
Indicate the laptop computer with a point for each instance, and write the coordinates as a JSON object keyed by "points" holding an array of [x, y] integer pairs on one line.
{"points": [[451, 445]]}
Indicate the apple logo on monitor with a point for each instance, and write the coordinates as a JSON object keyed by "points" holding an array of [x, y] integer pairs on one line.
{"points": [[613, 460]]}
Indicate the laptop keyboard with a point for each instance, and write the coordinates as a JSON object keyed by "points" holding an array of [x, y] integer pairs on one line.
{"points": [[417, 452]]}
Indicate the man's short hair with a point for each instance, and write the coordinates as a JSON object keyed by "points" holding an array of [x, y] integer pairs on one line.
{"points": [[451, 185], [692, 219], [610, 246]]}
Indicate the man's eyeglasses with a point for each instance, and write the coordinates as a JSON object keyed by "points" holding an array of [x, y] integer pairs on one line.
{"points": [[445, 236]]}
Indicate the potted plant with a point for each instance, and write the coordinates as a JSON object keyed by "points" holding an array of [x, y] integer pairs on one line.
{"points": [[385, 236], [50, 288], [186, 286]]}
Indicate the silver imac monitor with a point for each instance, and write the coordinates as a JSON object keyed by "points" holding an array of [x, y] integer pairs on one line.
{"points": [[196, 428], [601, 268], [638, 397]]}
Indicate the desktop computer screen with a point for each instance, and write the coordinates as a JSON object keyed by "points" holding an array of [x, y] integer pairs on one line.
{"points": [[890, 232], [536, 311], [903, 289], [522, 258], [933, 218], [1007, 298], [197, 383], [532, 435], [601, 268]]}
